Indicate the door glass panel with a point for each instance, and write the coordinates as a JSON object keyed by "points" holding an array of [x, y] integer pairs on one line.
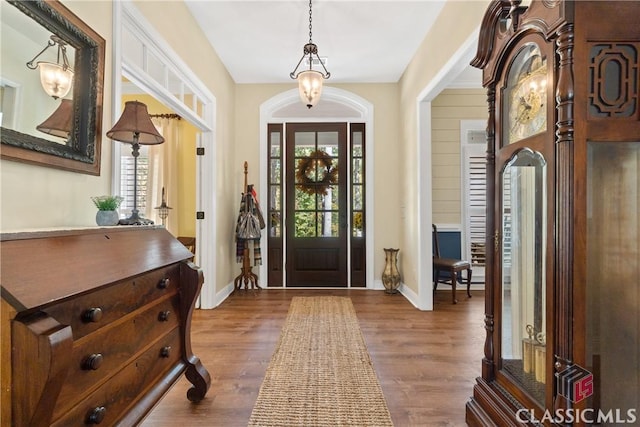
{"points": [[331, 199], [275, 144], [523, 271], [316, 179], [275, 184], [328, 201], [274, 198], [358, 224], [357, 171], [613, 267], [357, 185], [305, 224], [275, 171], [328, 142], [275, 208], [304, 200], [305, 143], [275, 229], [357, 145], [357, 197], [328, 223]]}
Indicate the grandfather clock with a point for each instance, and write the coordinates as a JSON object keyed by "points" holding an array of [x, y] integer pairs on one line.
{"points": [[562, 308]]}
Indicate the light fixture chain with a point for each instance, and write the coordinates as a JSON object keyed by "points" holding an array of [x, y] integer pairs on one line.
{"points": [[310, 22]]}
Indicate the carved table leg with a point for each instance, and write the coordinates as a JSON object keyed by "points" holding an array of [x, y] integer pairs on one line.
{"points": [[196, 373]]}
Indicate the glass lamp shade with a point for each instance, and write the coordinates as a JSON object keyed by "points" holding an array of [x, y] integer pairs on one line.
{"points": [[56, 80], [310, 87], [59, 123], [135, 126]]}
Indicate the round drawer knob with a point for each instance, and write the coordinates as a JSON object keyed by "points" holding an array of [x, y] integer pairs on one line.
{"points": [[164, 283], [92, 362], [92, 315], [166, 351], [96, 416], [164, 316]]}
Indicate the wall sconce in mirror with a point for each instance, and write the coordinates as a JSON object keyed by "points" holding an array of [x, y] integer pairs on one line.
{"points": [[59, 123], [55, 78], [28, 134]]}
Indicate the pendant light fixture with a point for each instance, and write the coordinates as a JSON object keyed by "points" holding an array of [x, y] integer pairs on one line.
{"points": [[163, 209], [310, 80], [56, 78]]}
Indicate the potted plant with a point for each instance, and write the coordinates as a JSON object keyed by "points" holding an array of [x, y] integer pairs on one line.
{"points": [[107, 209]]}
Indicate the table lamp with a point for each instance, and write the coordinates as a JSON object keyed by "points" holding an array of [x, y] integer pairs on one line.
{"points": [[135, 127]]}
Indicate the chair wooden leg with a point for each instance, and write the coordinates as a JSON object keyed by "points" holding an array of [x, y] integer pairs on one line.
{"points": [[454, 280], [435, 283], [469, 283]]}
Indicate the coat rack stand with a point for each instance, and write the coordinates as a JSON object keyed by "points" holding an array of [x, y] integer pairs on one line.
{"points": [[246, 277]]}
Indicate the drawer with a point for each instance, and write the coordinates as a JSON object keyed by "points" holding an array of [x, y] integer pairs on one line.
{"points": [[87, 313], [128, 384], [101, 354]]}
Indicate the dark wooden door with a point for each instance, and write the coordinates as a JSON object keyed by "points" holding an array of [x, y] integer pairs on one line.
{"points": [[316, 205]]}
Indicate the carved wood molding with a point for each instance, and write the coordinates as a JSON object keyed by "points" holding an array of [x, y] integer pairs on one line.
{"points": [[613, 79]]}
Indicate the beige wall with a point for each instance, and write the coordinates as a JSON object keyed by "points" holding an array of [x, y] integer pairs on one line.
{"points": [[456, 23], [447, 110], [384, 98], [180, 30]]}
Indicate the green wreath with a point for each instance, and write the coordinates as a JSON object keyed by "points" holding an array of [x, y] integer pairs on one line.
{"points": [[318, 161]]}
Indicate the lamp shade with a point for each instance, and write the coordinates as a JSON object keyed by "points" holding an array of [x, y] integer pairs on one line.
{"points": [[56, 79], [135, 126], [59, 123], [310, 86]]}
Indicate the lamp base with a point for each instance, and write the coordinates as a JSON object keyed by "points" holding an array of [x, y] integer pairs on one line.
{"points": [[135, 219]]}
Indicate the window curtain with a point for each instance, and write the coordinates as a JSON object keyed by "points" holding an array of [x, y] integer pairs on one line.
{"points": [[163, 173]]}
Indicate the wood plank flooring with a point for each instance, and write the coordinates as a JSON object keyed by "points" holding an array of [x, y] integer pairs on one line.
{"points": [[426, 362]]}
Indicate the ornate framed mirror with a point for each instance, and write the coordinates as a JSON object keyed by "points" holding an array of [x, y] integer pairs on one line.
{"points": [[27, 28]]}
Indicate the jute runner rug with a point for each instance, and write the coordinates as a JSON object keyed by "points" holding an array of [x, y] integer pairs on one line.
{"points": [[321, 373]]}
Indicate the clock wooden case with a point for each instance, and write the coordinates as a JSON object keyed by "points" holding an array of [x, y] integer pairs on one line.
{"points": [[562, 308]]}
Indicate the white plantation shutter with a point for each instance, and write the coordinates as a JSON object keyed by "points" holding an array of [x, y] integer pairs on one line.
{"points": [[474, 164], [477, 209], [126, 180], [507, 221]]}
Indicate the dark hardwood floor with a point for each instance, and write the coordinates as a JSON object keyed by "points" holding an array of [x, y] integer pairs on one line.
{"points": [[426, 362]]}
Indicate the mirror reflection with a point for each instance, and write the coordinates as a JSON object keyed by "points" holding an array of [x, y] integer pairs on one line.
{"points": [[523, 271], [25, 105], [41, 124]]}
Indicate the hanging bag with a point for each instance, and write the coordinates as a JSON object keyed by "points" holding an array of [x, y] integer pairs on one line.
{"points": [[257, 209], [248, 224]]}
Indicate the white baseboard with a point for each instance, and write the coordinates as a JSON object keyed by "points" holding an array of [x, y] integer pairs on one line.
{"points": [[410, 295]]}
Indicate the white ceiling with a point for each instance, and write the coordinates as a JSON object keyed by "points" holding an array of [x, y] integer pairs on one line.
{"points": [[364, 41]]}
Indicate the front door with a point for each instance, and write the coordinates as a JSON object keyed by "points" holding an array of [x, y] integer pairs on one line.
{"points": [[316, 205]]}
